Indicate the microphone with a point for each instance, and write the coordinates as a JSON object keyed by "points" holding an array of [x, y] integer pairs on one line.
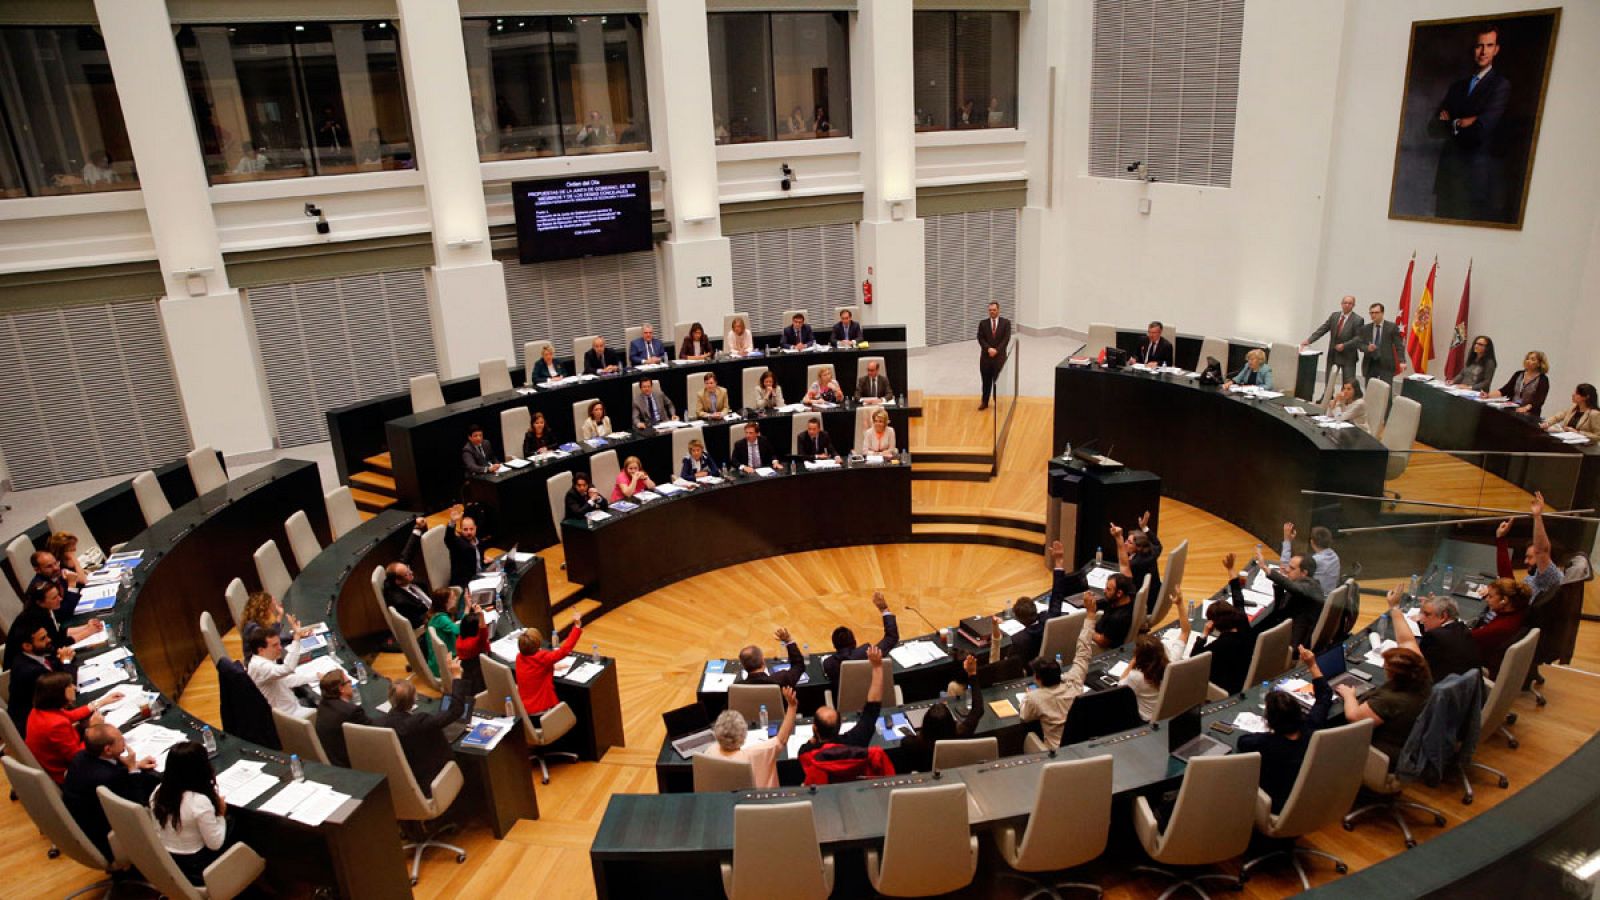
{"points": [[923, 618]]}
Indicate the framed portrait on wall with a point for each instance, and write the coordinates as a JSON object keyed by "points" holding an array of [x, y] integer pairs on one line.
{"points": [[1469, 120]]}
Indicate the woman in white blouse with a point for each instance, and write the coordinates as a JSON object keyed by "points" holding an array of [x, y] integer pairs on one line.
{"points": [[737, 341], [879, 438], [768, 394], [190, 817], [825, 389], [597, 423]]}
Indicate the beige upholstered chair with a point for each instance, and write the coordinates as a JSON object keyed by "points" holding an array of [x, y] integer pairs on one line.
{"points": [[499, 682], [407, 639], [1214, 348], [376, 580], [19, 552], [928, 848], [1328, 620], [582, 345], [747, 700], [1101, 336], [212, 638], [1171, 583], [603, 469], [1211, 822], [494, 376], [713, 774], [1285, 360], [343, 517], [205, 469], [750, 385], [950, 754], [134, 837], [441, 656], [236, 595], [532, 352], [16, 747], [426, 393], [1054, 841], [1399, 433], [1269, 659], [694, 384], [271, 570], [1183, 686], [10, 604], [863, 423], [303, 543], [637, 331], [580, 412], [435, 557], [41, 798], [1141, 604], [1377, 778], [1032, 743], [67, 517], [776, 837], [299, 736], [1503, 690], [555, 489], [513, 425], [153, 503], [855, 678], [378, 750], [799, 427], [1377, 395], [1327, 784]]}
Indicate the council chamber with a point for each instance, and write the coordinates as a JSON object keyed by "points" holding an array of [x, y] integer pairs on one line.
{"points": [[798, 448]]}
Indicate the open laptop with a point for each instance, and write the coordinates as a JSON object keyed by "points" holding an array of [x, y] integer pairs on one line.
{"points": [[1334, 668], [688, 729], [1185, 741]]}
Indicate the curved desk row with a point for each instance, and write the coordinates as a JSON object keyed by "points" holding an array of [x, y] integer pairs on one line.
{"points": [[1186, 355]]}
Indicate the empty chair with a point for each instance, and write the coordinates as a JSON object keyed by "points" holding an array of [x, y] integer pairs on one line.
{"points": [[343, 517], [1213, 348], [1101, 336], [1377, 394], [134, 831], [153, 503], [1171, 583], [603, 469], [582, 345], [1285, 360], [206, 470], [713, 774], [798, 427], [1399, 433], [555, 489], [303, 543], [1327, 784], [212, 638], [10, 604], [409, 646], [236, 595], [1052, 841], [299, 736], [494, 376], [1061, 635], [1099, 713], [435, 557], [554, 723], [19, 552], [1183, 686], [1211, 821], [1333, 607], [270, 569], [513, 425], [426, 393], [949, 754], [67, 517], [928, 848], [1503, 690], [378, 750], [747, 700], [41, 798], [855, 677], [776, 837]]}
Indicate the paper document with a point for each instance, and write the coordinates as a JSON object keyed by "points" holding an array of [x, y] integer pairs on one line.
{"points": [[802, 734], [646, 496], [1119, 669], [93, 640], [598, 515], [293, 794], [765, 471], [505, 649], [1249, 721], [585, 672], [717, 682], [1002, 708], [149, 739], [1097, 577], [816, 464], [917, 653], [95, 678], [619, 435], [515, 463], [1011, 626], [125, 710], [244, 781]]}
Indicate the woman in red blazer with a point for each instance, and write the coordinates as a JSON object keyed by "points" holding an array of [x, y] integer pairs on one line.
{"points": [[535, 667], [53, 733]]}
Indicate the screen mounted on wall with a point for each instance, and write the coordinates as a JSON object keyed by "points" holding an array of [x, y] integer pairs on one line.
{"points": [[588, 215]]}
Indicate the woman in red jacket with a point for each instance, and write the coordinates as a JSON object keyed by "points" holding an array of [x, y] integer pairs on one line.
{"points": [[53, 733], [1508, 599], [536, 665]]}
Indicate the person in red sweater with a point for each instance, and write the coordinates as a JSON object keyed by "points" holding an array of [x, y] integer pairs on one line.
{"points": [[53, 733], [471, 644], [536, 665], [1508, 599]]}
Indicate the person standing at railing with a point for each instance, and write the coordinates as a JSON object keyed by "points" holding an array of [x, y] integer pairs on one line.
{"points": [[994, 337]]}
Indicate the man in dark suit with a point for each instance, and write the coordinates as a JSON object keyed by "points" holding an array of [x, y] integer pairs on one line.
{"points": [[49, 570], [337, 707], [1343, 329], [583, 498], [752, 451], [105, 761], [1383, 349], [994, 336], [466, 554], [873, 386], [1467, 121], [797, 334], [753, 664], [846, 649], [422, 734], [1025, 644], [846, 331], [815, 443], [477, 457], [652, 406], [1154, 350], [1296, 595], [403, 591], [36, 659], [646, 350], [597, 360]]}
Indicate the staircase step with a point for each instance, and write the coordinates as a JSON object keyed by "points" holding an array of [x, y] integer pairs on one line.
{"points": [[374, 481], [950, 471], [584, 607], [367, 500], [1009, 520], [970, 457], [381, 462], [995, 535]]}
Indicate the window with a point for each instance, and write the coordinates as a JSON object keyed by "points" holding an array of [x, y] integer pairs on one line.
{"points": [[61, 126], [1164, 89], [965, 66], [779, 76], [557, 85], [287, 100]]}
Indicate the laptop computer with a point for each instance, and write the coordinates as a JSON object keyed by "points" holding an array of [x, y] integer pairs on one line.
{"points": [[1333, 666], [688, 728], [1184, 740]]}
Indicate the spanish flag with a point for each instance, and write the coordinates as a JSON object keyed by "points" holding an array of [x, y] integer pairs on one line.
{"points": [[1419, 340]]}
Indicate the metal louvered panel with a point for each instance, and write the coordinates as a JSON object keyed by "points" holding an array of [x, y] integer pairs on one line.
{"points": [[337, 341], [604, 295], [1164, 89], [811, 268], [110, 359], [971, 260]]}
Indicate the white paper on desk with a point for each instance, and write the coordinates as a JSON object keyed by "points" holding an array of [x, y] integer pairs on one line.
{"points": [[505, 648], [93, 640], [646, 496], [1261, 583], [801, 735], [517, 463], [1336, 426], [486, 583], [650, 367], [247, 788], [1097, 577], [526, 390], [1118, 669], [293, 794], [99, 591], [619, 435], [585, 672], [1420, 376], [502, 726], [816, 464], [598, 515], [875, 459], [917, 653], [321, 666], [1295, 410], [670, 489], [104, 576], [711, 479], [123, 711], [1011, 626], [95, 678], [563, 666], [717, 682], [1293, 684], [792, 408], [1254, 599], [1375, 655], [149, 739], [1249, 721], [765, 471], [110, 657], [823, 404]]}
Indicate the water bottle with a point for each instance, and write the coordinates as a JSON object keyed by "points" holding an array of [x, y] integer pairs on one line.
{"points": [[1058, 660], [947, 635], [208, 740], [1416, 582], [1067, 452], [511, 709], [1449, 579], [595, 650], [297, 772], [762, 717], [126, 577], [1099, 555], [361, 672]]}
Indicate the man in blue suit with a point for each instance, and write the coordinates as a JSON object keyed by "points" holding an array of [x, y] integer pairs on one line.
{"points": [[797, 335], [1468, 119], [645, 349]]}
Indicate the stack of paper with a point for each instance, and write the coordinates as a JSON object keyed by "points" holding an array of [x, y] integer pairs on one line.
{"points": [[486, 734], [1571, 437], [1097, 577], [670, 489], [93, 678], [152, 740], [320, 666], [93, 640], [1011, 626], [816, 464], [823, 404], [125, 710], [646, 496], [792, 408], [598, 515], [583, 673], [619, 435], [917, 653], [1249, 721], [1118, 669], [765, 471], [244, 781], [875, 459], [798, 739], [307, 802], [717, 681], [711, 479], [563, 665], [505, 648], [517, 463], [97, 597]]}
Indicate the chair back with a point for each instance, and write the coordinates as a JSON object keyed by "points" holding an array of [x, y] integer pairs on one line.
{"points": [[374, 749], [407, 639], [680, 330], [435, 557], [927, 844], [750, 386], [19, 552], [788, 319], [10, 604], [1099, 713], [694, 385], [299, 736], [134, 827], [1214, 348], [1101, 336], [680, 444], [1326, 786], [212, 637], [426, 393], [41, 798], [1285, 360], [1215, 812], [582, 345], [1270, 658], [747, 700], [861, 370], [1054, 841], [855, 677], [1328, 620], [494, 376], [776, 837], [1141, 605], [1400, 433], [205, 469], [603, 470], [800, 420], [950, 754], [376, 579], [514, 424], [1508, 682], [554, 723], [271, 571], [727, 325], [555, 490], [1377, 395], [713, 774], [1061, 635], [580, 414], [863, 424], [153, 503], [16, 747], [1171, 583], [532, 352], [343, 517], [441, 658], [67, 517], [1184, 686], [303, 543], [634, 332], [236, 595]]}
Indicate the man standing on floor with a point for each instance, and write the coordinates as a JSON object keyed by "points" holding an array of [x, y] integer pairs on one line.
{"points": [[994, 336], [1343, 329]]}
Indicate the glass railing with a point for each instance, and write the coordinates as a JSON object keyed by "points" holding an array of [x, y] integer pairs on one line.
{"points": [[1007, 385]]}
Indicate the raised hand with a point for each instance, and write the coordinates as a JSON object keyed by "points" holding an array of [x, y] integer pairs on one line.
{"points": [[1394, 596], [782, 634], [1288, 531], [875, 656], [790, 700], [879, 601], [1227, 563], [1144, 520], [1503, 529], [970, 664], [1537, 506]]}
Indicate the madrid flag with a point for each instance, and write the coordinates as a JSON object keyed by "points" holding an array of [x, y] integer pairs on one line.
{"points": [[1419, 339], [1402, 316], [1456, 359]]}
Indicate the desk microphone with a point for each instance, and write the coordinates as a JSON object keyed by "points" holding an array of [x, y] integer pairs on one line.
{"points": [[923, 618]]}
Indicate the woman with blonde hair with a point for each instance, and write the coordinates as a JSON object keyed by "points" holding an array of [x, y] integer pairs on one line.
{"points": [[1529, 386], [879, 437], [825, 388], [1255, 371], [631, 480], [738, 342], [264, 614]]}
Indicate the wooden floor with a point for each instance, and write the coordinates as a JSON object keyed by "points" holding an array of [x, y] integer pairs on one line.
{"points": [[663, 639]]}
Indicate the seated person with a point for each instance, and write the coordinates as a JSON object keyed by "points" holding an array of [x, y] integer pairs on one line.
{"points": [[422, 734], [36, 659], [263, 613], [1543, 573], [631, 480], [337, 706], [1347, 407], [547, 369], [42, 605], [52, 732], [47, 569], [1283, 748], [1395, 705], [1154, 350], [466, 551], [797, 334], [874, 386], [536, 667], [831, 757], [652, 406], [1582, 416], [1508, 600], [752, 452], [939, 724], [814, 443], [597, 360], [1255, 371], [879, 437], [1025, 644], [698, 464], [1049, 703], [645, 350], [1229, 640], [711, 402], [595, 422], [477, 457], [844, 640], [1116, 622], [1445, 643], [732, 733], [105, 761], [738, 341], [696, 346], [191, 817], [539, 438], [1297, 595], [1151, 656], [63, 545], [1478, 373], [442, 624], [825, 389], [846, 331], [272, 668], [403, 591], [471, 644], [1528, 386], [1138, 555], [753, 664], [768, 394], [1322, 552], [583, 498]]}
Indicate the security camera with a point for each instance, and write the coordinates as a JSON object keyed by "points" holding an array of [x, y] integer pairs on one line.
{"points": [[1141, 171], [788, 176], [1132, 167], [315, 212]]}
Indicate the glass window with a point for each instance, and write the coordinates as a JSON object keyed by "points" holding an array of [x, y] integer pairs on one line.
{"points": [[62, 121], [966, 70], [287, 100], [780, 76], [602, 105], [513, 87], [741, 77]]}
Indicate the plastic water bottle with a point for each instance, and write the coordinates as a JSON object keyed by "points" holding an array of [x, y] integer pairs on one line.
{"points": [[1099, 555], [361, 672], [1449, 579], [297, 772], [1058, 660], [208, 740], [762, 717], [511, 709], [1416, 582], [948, 636], [595, 649]]}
